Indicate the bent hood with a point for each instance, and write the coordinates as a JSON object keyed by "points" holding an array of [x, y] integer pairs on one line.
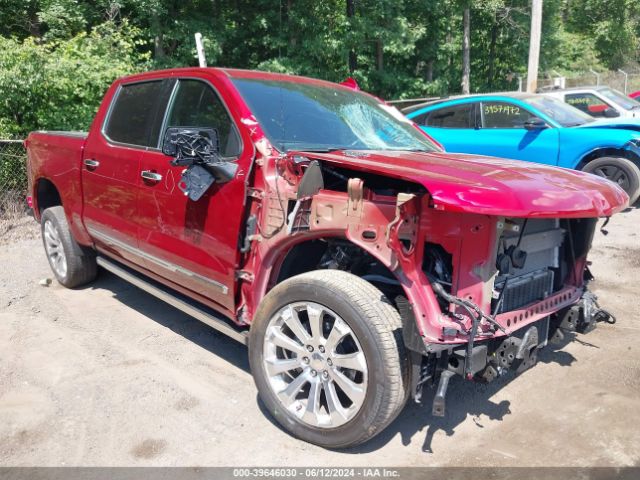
{"points": [[491, 186]]}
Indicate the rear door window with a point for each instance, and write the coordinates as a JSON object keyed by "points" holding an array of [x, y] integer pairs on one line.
{"points": [[136, 114], [503, 115], [196, 104], [588, 103], [458, 116]]}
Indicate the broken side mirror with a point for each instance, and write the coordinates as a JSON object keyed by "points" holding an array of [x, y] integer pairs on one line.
{"points": [[197, 149], [186, 143]]}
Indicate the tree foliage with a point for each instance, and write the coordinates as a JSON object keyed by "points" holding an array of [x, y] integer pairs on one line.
{"points": [[58, 56]]}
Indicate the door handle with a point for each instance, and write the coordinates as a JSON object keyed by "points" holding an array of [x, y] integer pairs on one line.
{"points": [[89, 162], [149, 175]]}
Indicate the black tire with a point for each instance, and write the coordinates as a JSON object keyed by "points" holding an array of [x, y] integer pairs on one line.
{"points": [[378, 328], [619, 170], [80, 265]]}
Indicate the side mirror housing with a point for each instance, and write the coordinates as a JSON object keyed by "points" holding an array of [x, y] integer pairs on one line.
{"points": [[611, 113], [535, 123], [190, 142]]}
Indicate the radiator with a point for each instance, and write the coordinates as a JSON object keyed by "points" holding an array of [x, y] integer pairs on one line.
{"points": [[524, 289]]}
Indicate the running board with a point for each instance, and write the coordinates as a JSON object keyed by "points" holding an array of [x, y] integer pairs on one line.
{"points": [[166, 296]]}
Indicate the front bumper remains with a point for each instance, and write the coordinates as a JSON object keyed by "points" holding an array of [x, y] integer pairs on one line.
{"points": [[495, 357]]}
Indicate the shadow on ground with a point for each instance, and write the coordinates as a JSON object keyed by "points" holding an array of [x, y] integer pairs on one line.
{"points": [[173, 319], [464, 398]]}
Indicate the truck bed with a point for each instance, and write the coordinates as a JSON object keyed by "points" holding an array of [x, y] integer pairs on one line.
{"points": [[56, 156]]}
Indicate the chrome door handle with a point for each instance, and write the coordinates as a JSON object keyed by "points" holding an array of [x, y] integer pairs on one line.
{"points": [[91, 163], [149, 175]]}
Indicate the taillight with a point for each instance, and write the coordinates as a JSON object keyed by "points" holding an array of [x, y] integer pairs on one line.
{"points": [[30, 201]]}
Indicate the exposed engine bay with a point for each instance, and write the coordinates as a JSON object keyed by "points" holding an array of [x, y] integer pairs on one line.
{"points": [[503, 286]]}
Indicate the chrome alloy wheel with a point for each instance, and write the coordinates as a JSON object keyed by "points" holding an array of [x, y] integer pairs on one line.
{"points": [[55, 250], [315, 365]]}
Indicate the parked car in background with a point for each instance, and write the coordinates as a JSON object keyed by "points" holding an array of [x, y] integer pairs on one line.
{"points": [[314, 223], [635, 95], [535, 128], [599, 101]]}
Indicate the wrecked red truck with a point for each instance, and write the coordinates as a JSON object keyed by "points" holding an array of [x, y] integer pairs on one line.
{"points": [[315, 224]]}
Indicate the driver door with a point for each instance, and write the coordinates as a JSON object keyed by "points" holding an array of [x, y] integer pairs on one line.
{"points": [[194, 244], [502, 134]]}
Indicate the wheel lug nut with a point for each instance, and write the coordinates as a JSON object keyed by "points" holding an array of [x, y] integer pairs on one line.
{"points": [[313, 373], [305, 360], [309, 348], [329, 362], [321, 348], [325, 374]]}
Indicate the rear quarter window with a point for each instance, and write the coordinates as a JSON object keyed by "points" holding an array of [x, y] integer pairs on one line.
{"points": [[458, 116], [136, 112]]}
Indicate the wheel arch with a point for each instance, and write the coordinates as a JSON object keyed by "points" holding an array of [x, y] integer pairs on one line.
{"points": [[46, 195], [608, 152], [404, 297], [304, 255]]}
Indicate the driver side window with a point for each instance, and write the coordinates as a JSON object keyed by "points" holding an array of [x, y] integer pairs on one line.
{"points": [[503, 115], [588, 103], [195, 104]]}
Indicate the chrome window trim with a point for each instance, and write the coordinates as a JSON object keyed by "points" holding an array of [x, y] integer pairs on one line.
{"points": [[103, 129]]}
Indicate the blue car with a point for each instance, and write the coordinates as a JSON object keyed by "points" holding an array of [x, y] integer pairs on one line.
{"points": [[538, 129]]}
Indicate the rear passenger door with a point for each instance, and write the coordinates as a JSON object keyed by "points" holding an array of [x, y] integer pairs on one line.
{"points": [[111, 164], [452, 126], [194, 244]]}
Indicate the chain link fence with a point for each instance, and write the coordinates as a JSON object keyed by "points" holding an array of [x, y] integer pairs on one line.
{"points": [[13, 178], [626, 82]]}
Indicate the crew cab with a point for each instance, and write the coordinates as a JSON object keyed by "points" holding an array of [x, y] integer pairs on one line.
{"points": [[320, 227]]}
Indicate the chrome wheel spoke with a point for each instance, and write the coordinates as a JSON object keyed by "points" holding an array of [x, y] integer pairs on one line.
{"points": [[312, 411], [338, 332], [281, 340], [292, 320], [288, 394], [336, 410], [275, 366], [323, 393], [54, 249], [353, 361], [354, 391], [315, 321]]}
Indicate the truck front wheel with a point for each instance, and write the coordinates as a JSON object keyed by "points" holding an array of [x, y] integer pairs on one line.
{"points": [[72, 264], [327, 357]]}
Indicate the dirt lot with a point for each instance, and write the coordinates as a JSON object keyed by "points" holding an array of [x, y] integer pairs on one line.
{"points": [[107, 375]]}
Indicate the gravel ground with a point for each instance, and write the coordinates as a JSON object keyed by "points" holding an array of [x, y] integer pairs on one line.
{"points": [[107, 375]]}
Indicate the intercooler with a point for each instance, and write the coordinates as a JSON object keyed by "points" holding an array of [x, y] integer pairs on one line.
{"points": [[541, 240]]}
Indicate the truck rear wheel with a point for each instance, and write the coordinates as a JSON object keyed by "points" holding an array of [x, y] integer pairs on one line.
{"points": [[72, 264], [327, 357], [619, 170]]}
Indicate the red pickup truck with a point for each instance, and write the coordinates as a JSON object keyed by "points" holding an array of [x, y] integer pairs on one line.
{"points": [[314, 223]]}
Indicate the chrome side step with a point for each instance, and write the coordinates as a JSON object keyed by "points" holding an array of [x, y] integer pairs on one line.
{"points": [[213, 321]]}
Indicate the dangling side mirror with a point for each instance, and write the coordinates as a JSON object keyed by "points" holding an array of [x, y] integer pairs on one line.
{"points": [[190, 142]]}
